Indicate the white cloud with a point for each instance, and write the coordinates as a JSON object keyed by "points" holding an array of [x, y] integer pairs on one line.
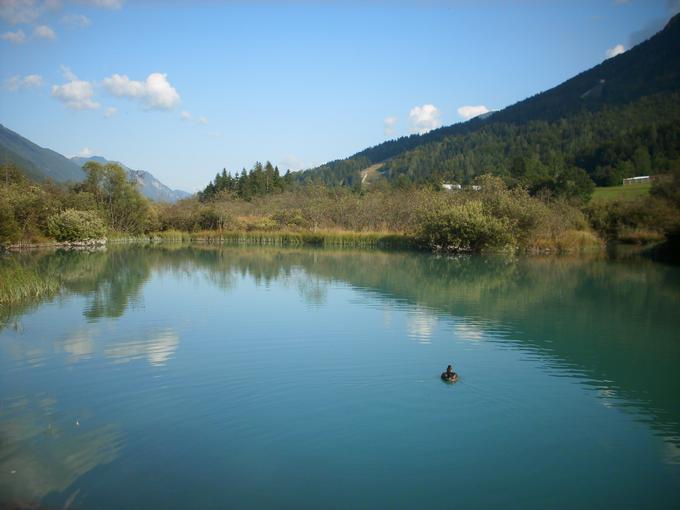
{"points": [[68, 74], [76, 20], [110, 112], [186, 116], [85, 152], [21, 11], [390, 125], [44, 32], [154, 93], [469, 112], [29, 11], [424, 118], [26, 82], [75, 94], [292, 163], [616, 50], [17, 37], [107, 4]]}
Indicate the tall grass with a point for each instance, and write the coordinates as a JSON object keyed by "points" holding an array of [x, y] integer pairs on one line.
{"points": [[19, 284], [337, 239], [568, 242]]}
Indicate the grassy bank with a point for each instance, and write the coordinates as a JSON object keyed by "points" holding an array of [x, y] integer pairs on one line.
{"points": [[494, 217], [330, 239], [629, 192], [322, 239], [570, 241], [20, 285]]}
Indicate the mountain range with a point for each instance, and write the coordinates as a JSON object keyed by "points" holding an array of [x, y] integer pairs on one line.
{"points": [[562, 127], [39, 164], [147, 184]]}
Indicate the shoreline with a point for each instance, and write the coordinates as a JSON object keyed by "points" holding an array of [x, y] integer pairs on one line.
{"points": [[72, 245], [257, 238], [320, 239], [24, 283]]}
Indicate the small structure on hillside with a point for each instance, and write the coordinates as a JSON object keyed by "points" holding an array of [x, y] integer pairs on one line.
{"points": [[451, 186], [637, 180]]}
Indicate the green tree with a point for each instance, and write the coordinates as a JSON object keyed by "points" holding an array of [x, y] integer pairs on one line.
{"points": [[73, 225], [464, 228], [574, 183], [117, 199]]}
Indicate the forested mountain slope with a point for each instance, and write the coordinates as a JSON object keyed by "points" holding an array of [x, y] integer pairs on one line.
{"points": [[37, 162], [617, 119]]}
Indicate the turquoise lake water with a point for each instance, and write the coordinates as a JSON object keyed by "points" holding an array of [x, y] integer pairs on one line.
{"points": [[187, 377]]}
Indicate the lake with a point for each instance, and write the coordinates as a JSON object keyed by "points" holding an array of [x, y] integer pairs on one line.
{"points": [[178, 377]]}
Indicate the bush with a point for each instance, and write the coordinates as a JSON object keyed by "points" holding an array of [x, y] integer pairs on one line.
{"points": [[211, 218], [612, 220], [261, 223], [9, 228], [74, 225], [291, 218], [464, 228]]}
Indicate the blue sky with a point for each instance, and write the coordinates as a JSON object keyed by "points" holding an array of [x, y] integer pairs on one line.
{"points": [[183, 89]]}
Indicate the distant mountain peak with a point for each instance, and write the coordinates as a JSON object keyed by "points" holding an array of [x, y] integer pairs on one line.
{"points": [[148, 185]]}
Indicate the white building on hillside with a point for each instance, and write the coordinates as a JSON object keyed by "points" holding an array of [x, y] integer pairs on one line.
{"points": [[637, 180], [450, 186]]}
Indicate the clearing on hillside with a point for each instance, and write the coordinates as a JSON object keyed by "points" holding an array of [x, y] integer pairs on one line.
{"points": [[628, 192], [370, 174]]}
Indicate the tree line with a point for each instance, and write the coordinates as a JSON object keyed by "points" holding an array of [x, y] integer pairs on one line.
{"points": [[500, 214], [559, 156], [260, 180]]}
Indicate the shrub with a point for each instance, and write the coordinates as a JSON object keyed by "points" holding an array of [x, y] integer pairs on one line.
{"points": [[9, 228], [74, 225], [614, 219], [464, 228], [261, 223], [291, 218], [211, 218]]}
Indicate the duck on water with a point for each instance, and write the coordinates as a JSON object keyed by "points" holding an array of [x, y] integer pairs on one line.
{"points": [[449, 375]]}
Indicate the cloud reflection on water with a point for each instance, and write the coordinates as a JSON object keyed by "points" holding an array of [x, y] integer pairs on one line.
{"points": [[158, 348], [420, 325], [79, 345]]}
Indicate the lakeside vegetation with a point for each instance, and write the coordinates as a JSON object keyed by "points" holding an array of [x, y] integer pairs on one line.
{"points": [[21, 283], [262, 207]]}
